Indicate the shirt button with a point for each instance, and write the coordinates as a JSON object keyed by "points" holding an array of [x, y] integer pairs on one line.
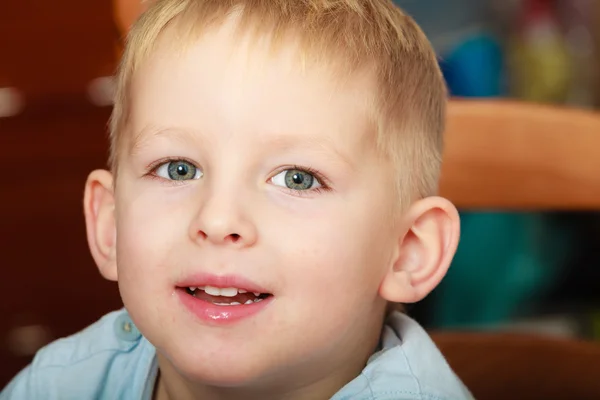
{"points": [[125, 329]]}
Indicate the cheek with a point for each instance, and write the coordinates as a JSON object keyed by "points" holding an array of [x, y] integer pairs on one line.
{"points": [[336, 257], [148, 229], [332, 269]]}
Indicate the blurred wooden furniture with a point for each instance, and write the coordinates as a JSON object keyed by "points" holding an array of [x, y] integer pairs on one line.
{"points": [[498, 366], [57, 59], [504, 155], [519, 156]]}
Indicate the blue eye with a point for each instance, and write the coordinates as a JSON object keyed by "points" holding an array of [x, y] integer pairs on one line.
{"points": [[296, 179], [178, 171]]}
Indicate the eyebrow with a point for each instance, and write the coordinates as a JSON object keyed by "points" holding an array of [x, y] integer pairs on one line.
{"points": [[282, 143], [310, 143], [151, 132]]}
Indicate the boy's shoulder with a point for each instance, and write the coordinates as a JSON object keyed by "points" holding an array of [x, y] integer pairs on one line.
{"points": [[408, 366], [109, 359]]}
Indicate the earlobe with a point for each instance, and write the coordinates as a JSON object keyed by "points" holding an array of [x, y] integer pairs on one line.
{"points": [[425, 251], [99, 206]]}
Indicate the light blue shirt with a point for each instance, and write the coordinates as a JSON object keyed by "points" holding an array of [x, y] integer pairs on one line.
{"points": [[111, 360]]}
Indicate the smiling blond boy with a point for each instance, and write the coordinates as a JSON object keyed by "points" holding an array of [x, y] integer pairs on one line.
{"points": [[271, 197]]}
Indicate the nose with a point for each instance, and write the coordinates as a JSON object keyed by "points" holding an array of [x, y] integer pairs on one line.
{"points": [[224, 220]]}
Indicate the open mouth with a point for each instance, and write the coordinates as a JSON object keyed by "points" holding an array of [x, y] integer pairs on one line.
{"points": [[226, 296]]}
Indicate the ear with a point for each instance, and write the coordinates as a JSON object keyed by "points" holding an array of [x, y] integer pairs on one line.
{"points": [[99, 210], [426, 244]]}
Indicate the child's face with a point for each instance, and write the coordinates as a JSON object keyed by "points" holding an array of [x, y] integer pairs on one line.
{"points": [[273, 183]]}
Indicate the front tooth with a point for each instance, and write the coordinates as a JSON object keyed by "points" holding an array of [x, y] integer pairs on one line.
{"points": [[242, 291], [213, 291], [229, 292], [249, 302], [256, 294], [222, 304], [257, 300], [235, 303], [192, 288]]}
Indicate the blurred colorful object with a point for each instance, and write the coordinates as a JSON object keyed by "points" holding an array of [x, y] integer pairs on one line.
{"points": [[579, 19], [539, 56], [474, 67]]}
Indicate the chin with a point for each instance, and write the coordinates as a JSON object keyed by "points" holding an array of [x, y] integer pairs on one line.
{"points": [[233, 369], [229, 379]]}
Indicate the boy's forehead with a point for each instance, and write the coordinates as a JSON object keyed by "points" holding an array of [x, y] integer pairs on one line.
{"points": [[225, 72]]}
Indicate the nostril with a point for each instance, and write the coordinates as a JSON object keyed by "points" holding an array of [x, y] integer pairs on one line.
{"points": [[231, 238]]}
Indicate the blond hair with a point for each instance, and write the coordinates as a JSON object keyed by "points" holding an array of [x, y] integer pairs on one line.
{"points": [[409, 106]]}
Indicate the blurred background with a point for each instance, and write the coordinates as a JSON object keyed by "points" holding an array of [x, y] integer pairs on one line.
{"points": [[535, 272]]}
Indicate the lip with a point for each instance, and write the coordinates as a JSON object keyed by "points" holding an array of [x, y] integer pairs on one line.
{"points": [[218, 314]]}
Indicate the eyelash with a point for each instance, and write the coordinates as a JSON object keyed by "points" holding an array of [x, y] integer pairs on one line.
{"points": [[312, 171]]}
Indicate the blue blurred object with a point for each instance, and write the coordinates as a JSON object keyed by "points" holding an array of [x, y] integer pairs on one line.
{"points": [[474, 67]]}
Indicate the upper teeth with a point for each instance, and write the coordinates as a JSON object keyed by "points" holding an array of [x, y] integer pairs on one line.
{"points": [[225, 292]]}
